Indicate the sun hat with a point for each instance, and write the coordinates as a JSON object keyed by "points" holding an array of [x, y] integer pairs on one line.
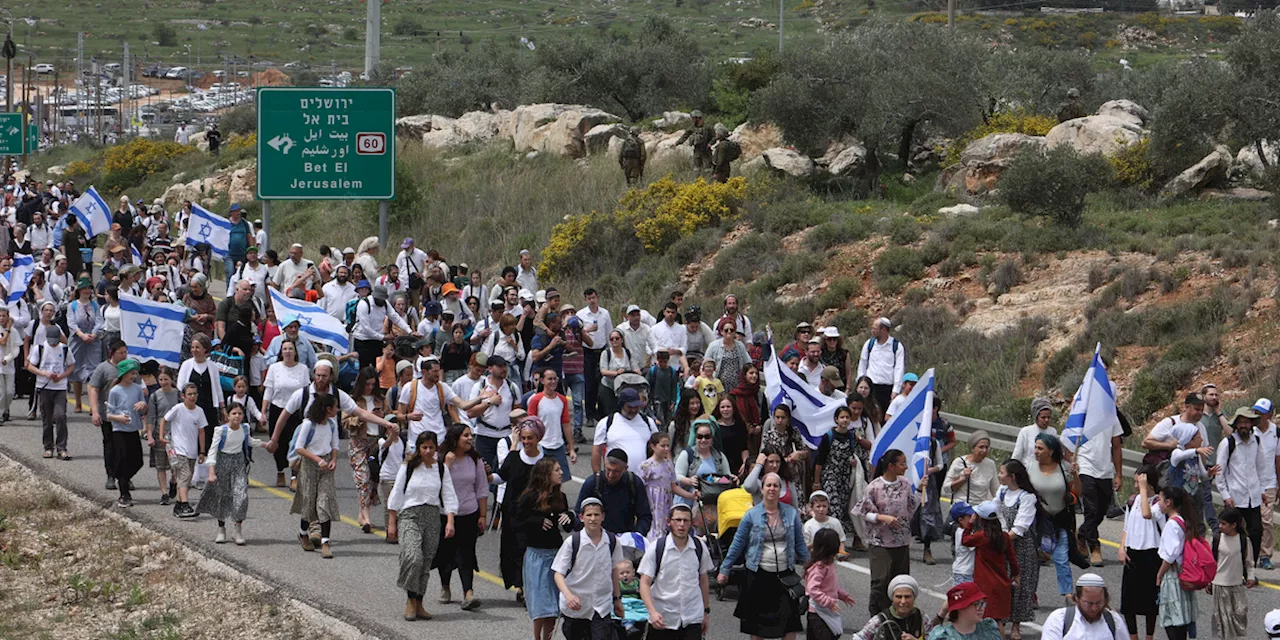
{"points": [[125, 366], [963, 595]]}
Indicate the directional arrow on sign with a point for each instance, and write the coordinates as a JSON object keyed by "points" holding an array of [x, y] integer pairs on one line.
{"points": [[13, 130], [282, 140]]}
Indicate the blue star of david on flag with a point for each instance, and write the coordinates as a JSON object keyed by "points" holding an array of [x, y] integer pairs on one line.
{"points": [[147, 330], [205, 230], [211, 228]]}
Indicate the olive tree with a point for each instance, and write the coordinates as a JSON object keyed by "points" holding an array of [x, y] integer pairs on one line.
{"points": [[1254, 57]]}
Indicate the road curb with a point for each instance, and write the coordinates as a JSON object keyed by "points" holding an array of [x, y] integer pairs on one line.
{"points": [[341, 624]]}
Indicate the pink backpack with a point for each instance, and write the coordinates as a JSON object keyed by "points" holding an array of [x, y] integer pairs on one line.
{"points": [[1198, 565]]}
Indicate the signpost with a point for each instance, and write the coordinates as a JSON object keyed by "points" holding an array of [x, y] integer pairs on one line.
{"points": [[33, 138], [11, 137], [326, 144]]}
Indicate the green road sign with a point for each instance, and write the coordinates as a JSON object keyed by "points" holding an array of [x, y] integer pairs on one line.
{"points": [[326, 144], [10, 134], [33, 137]]}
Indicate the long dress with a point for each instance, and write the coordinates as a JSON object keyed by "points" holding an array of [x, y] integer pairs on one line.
{"points": [[992, 570], [657, 477], [837, 474], [1025, 548], [87, 355], [789, 443], [360, 446], [515, 472]]}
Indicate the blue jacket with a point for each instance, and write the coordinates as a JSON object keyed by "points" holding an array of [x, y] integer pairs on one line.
{"points": [[750, 538]]}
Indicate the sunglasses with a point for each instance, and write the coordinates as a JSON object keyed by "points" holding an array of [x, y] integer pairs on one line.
{"points": [[703, 436]]}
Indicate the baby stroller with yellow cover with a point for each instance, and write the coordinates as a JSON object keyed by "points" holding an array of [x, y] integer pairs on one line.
{"points": [[731, 506]]}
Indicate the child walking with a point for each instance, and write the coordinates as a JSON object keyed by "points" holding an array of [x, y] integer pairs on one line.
{"points": [[962, 567], [185, 424], [820, 506], [1235, 574], [658, 473], [834, 467], [317, 449], [158, 405], [583, 566], [252, 417], [996, 565], [126, 405], [823, 586], [1139, 553], [1177, 605], [226, 497]]}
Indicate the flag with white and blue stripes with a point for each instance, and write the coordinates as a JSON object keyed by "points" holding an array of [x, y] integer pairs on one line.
{"points": [[92, 212], [1093, 410], [314, 322], [910, 430], [20, 276], [152, 330], [812, 414]]}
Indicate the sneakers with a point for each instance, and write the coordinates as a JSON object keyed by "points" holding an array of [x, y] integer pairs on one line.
{"points": [[1265, 563], [238, 535], [327, 554], [48, 453], [110, 484], [306, 542], [221, 537], [1115, 512], [183, 510], [124, 503], [1095, 558], [470, 602], [63, 455], [165, 500], [578, 438], [445, 596]]}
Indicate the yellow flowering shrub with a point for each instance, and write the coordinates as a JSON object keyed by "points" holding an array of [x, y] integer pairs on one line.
{"points": [[142, 155], [79, 168], [1131, 166], [1032, 124], [238, 142]]}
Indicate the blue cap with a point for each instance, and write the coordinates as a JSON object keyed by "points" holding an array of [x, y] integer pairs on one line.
{"points": [[433, 308], [1263, 405], [235, 206], [364, 284], [630, 398], [290, 319], [960, 509], [911, 377]]}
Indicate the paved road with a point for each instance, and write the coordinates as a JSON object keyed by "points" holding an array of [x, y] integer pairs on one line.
{"points": [[359, 584]]}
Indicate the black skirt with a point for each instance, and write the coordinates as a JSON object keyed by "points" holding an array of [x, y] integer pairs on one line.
{"points": [[1138, 586], [765, 609]]}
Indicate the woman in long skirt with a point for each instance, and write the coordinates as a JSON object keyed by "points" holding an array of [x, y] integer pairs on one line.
{"points": [[543, 513], [226, 497], [317, 448], [1018, 502], [515, 473], [85, 322], [419, 498], [362, 445], [1177, 606]]}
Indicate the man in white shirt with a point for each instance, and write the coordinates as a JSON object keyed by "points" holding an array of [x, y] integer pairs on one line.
{"points": [[626, 430], [1024, 448], [337, 293], [676, 591], [466, 388], [526, 275], [1268, 438], [321, 383], [410, 260], [492, 414], [669, 334], [423, 404], [1242, 467], [371, 311], [182, 136], [1090, 618], [597, 323], [254, 272], [811, 365], [583, 573], [637, 337], [295, 267], [1099, 459], [740, 320], [884, 360], [52, 363], [487, 325], [1160, 440]]}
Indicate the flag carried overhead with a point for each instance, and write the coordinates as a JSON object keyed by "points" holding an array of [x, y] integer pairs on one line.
{"points": [[20, 276], [313, 322], [910, 430], [152, 330], [92, 212], [812, 414], [209, 228], [1093, 410]]}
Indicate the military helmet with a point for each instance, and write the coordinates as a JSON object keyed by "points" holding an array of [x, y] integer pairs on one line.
{"points": [[1073, 92], [635, 131], [721, 130], [695, 114]]}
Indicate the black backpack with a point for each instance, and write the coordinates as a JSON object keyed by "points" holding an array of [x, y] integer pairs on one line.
{"points": [[575, 541], [662, 548]]}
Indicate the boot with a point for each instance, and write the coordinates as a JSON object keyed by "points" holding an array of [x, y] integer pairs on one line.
{"points": [[306, 543], [238, 535], [1095, 558], [445, 596], [221, 537], [325, 551], [421, 612], [410, 610], [928, 558], [280, 479]]}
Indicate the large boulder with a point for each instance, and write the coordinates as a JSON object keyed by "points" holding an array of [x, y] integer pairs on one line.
{"points": [[755, 138], [244, 183], [673, 119], [983, 161], [554, 128], [1126, 110], [665, 148], [198, 140], [56, 170], [413, 127], [478, 126], [600, 138], [1210, 171], [1249, 160], [1105, 134], [789, 162], [844, 158]]}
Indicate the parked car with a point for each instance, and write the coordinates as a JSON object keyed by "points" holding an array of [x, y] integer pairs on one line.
{"points": [[44, 68], [179, 73]]}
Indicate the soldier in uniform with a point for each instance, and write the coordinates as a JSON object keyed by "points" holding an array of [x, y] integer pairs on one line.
{"points": [[632, 156], [1071, 109], [701, 137], [725, 152]]}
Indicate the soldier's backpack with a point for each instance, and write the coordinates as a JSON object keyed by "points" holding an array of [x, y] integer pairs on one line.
{"points": [[732, 150], [631, 148]]}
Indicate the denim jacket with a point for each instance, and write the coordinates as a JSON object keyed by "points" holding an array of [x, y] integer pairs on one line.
{"points": [[751, 532]]}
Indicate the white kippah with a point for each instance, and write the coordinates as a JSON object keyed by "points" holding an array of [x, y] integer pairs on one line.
{"points": [[1090, 580]]}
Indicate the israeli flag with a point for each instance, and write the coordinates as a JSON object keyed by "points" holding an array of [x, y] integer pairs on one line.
{"points": [[137, 257], [812, 413], [911, 430], [315, 323], [93, 213], [20, 276], [1093, 410], [153, 330], [211, 228]]}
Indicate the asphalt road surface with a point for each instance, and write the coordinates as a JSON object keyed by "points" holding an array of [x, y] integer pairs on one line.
{"points": [[358, 585]]}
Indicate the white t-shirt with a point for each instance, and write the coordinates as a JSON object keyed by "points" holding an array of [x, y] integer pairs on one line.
{"points": [[428, 402], [53, 359], [1270, 438], [322, 439], [1094, 456], [1024, 448], [184, 430], [812, 527], [395, 458], [551, 410], [631, 436], [895, 405]]}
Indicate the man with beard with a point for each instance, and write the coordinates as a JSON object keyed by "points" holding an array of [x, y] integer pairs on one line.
{"points": [[337, 293]]}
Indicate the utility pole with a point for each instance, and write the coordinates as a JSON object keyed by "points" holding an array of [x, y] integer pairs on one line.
{"points": [[9, 50], [78, 83], [372, 36], [951, 16], [126, 71], [781, 17]]}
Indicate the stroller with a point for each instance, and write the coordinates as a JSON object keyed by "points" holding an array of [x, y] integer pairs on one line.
{"points": [[730, 508]]}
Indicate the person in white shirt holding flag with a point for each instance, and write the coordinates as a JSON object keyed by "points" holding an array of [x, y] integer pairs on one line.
{"points": [[1094, 434]]}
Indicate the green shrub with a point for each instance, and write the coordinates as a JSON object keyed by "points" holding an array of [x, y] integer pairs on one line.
{"points": [[839, 293], [1052, 184], [934, 252], [1006, 276], [789, 216], [1154, 385], [895, 267], [753, 253], [1062, 361], [849, 227], [1002, 122], [904, 230], [915, 296]]}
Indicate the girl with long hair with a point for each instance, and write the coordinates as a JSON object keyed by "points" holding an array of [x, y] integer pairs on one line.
{"points": [[1139, 552], [733, 434], [995, 567], [317, 449], [425, 504], [514, 473], [823, 586], [874, 412], [688, 411], [363, 444], [471, 486], [543, 515], [658, 473], [771, 460], [747, 399], [1057, 484], [782, 436], [892, 499], [284, 377], [1019, 505], [1177, 605], [833, 471]]}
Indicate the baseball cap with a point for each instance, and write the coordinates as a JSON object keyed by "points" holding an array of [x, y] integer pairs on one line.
{"points": [[540, 297], [815, 340], [408, 242], [963, 595], [526, 295], [402, 365], [235, 206], [802, 326], [1263, 405], [497, 361], [448, 288], [831, 332], [987, 510], [632, 308], [1271, 624], [960, 509], [630, 398], [910, 377], [832, 375]]}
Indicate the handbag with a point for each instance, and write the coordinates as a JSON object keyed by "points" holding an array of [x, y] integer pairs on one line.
{"points": [[790, 580]]}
